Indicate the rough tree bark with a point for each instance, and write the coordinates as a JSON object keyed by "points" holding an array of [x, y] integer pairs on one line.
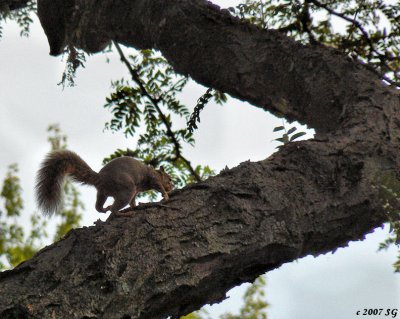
{"points": [[7, 5], [309, 198]]}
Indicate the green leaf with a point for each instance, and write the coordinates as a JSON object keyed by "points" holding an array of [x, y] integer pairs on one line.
{"points": [[297, 135], [291, 130], [278, 128]]}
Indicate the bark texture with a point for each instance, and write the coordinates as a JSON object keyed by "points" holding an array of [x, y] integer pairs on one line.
{"points": [[7, 5], [309, 198]]}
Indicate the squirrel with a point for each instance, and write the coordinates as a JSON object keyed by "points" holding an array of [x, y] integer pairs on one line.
{"points": [[122, 178]]}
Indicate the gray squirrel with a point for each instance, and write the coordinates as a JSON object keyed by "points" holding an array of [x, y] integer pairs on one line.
{"points": [[122, 178]]}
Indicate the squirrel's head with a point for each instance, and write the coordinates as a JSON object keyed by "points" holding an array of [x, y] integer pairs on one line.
{"points": [[166, 180]]}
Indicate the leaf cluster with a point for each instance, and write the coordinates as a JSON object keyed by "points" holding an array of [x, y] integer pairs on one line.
{"points": [[389, 191], [288, 135], [195, 116], [15, 244], [22, 16], [75, 58], [393, 239], [366, 30], [254, 305], [145, 108], [219, 97], [155, 86]]}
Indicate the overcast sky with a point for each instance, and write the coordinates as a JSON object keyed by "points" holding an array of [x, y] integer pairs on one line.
{"points": [[331, 286]]}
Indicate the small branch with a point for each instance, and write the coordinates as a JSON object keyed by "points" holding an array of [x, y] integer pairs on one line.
{"points": [[365, 35], [170, 133], [340, 15]]}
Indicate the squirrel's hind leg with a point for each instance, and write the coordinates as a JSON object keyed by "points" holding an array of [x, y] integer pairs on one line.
{"points": [[121, 201], [128, 211], [101, 199], [132, 203]]}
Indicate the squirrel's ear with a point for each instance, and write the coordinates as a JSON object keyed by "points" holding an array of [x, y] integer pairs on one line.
{"points": [[162, 168]]}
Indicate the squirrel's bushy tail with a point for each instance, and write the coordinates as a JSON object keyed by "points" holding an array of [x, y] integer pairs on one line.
{"points": [[51, 174]]}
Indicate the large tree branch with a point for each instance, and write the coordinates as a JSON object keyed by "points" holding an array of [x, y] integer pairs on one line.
{"points": [[264, 67], [309, 198], [6, 5], [171, 258]]}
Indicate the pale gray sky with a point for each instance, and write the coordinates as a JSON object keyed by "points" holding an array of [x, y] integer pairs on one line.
{"points": [[331, 286]]}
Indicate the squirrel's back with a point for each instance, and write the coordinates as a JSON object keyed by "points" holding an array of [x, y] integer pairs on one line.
{"points": [[51, 176]]}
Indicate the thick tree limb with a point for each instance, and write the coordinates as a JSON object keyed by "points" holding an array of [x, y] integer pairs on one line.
{"points": [[6, 5], [310, 198], [314, 85]]}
